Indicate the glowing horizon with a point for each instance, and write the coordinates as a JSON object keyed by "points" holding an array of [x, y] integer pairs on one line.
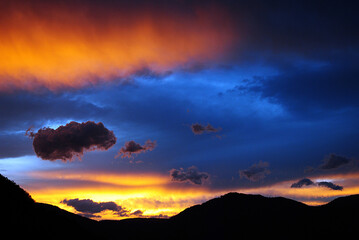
{"points": [[156, 195]]}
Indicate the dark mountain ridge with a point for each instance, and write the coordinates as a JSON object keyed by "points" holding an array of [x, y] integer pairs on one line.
{"points": [[231, 216]]}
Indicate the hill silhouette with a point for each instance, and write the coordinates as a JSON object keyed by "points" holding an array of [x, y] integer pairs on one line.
{"points": [[231, 216], [22, 217]]}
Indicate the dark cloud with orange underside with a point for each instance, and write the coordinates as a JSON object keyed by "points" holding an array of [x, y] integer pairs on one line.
{"points": [[61, 44], [89, 208], [71, 140]]}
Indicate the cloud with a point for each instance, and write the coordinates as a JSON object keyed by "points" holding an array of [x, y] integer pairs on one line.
{"points": [[89, 208], [25, 109], [108, 41], [132, 147], [307, 182], [199, 128], [319, 88], [256, 172], [191, 175], [71, 140], [98, 34], [302, 182], [334, 161], [330, 185]]}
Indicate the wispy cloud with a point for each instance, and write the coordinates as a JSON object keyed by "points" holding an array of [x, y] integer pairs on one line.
{"points": [[334, 161], [199, 128], [256, 172]]}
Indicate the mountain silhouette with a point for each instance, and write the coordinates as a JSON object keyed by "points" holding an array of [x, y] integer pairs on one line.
{"points": [[231, 216], [22, 217]]}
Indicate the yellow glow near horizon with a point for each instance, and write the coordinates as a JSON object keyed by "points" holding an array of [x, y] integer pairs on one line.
{"points": [[155, 194]]}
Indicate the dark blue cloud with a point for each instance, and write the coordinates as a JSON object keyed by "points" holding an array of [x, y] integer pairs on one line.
{"points": [[334, 161], [304, 90], [15, 145], [21, 110], [301, 28], [256, 172]]}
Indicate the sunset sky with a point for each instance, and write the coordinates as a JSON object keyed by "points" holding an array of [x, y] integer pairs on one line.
{"points": [[117, 109]]}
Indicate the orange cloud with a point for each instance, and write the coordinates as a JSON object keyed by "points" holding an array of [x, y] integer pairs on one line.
{"points": [[68, 44]]}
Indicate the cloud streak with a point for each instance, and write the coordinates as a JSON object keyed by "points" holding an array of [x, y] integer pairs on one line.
{"points": [[199, 129], [71, 140]]}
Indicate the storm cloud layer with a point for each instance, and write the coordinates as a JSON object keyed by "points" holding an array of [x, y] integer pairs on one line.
{"points": [[71, 140]]}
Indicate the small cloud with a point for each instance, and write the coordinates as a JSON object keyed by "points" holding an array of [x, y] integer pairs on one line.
{"points": [[199, 128], [132, 147], [71, 140], [137, 213], [191, 175], [163, 216], [334, 161], [302, 182], [330, 185], [309, 169], [256, 172], [30, 132], [132, 161], [89, 208]]}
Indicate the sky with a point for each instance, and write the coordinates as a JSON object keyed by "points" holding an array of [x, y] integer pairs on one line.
{"points": [[117, 109]]}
